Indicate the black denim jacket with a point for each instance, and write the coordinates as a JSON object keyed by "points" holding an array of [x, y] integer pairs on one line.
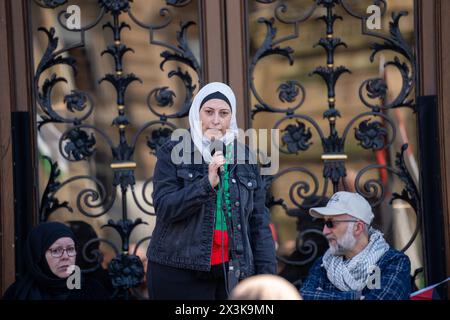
{"points": [[185, 205]]}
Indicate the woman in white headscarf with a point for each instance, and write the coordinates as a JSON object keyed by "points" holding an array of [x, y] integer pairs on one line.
{"points": [[212, 226]]}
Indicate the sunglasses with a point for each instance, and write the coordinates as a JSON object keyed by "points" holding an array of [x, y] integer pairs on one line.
{"points": [[331, 223]]}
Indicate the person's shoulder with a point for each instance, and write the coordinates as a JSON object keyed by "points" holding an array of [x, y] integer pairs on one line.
{"points": [[11, 292], [182, 138], [317, 263], [167, 146], [165, 150], [393, 256]]}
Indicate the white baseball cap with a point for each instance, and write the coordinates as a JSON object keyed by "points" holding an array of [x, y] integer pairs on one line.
{"points": [[344, 202]]}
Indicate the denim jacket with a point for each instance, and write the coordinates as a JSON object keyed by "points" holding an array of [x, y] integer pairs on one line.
{"points": [[185, 205]]}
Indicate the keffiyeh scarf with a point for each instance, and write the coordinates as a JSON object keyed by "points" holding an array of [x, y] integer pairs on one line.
{"points": [[352, 274]]}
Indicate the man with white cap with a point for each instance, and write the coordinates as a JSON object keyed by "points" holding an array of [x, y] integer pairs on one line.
{"points": [[359, 263]]}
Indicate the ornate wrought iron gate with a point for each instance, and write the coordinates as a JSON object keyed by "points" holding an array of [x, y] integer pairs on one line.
{"points": [[374, 128], [79, 141]]}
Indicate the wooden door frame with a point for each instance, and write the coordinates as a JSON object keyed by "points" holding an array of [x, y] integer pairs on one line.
{"points": [[225, 49], [18, 192], [433, 51], [443, 95], [7, 255]]}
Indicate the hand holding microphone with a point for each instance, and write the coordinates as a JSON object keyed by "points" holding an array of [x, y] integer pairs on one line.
{"points": [[217, 162]]}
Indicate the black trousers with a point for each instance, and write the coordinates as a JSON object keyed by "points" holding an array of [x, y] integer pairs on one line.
{"points": [[168, 283]]}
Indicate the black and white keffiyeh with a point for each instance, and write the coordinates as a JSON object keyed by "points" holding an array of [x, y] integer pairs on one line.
{"points": [[353, 274]]}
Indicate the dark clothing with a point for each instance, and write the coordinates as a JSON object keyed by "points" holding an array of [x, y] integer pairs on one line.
{"points": [[185, 206], [39, 282], [88, 254], [395, 284], [90, 289], [168, 283]]}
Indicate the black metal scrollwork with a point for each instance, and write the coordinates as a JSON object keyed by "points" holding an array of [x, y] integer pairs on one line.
{"points": [[78, 142], [373, 129], [374, 190], [49, 203]]}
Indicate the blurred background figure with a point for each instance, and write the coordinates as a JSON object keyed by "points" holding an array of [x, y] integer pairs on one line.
{"points": [[265, 287], [89, 257], [310, 243]]}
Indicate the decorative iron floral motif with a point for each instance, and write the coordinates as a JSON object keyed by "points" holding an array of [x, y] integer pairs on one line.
{"points": [[297, 137], [376, 88], [80, 146], [164, 97], [116, 7], [288, 91], [76, 101], [372, 135], [126, 271]]}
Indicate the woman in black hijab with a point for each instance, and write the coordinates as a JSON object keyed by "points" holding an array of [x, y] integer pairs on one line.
{"points": [[49, 251]]}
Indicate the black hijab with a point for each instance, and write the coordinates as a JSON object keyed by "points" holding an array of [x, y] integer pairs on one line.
{"points": [[215, 95], [39, 282]]}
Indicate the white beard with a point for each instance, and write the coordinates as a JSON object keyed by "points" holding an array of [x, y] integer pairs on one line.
{"points": [[344, 244]]}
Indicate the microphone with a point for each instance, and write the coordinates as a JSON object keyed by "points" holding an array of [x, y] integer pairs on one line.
{"points": [[217, 145]]}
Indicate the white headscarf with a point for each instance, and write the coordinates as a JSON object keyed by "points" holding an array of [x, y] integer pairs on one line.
{"points": [[202, 142]]}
